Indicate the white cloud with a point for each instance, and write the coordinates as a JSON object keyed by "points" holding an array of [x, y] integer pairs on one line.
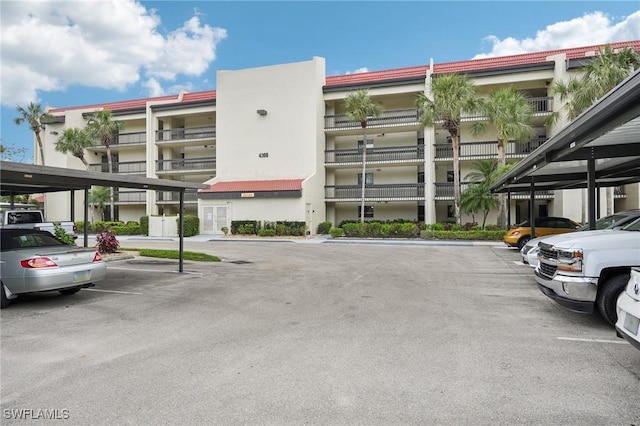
{"points": [[592, 28], [153, 87], [47, 46], [358, 71]]}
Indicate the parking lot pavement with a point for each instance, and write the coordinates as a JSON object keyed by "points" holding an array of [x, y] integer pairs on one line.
{"points": [[316, 333]]}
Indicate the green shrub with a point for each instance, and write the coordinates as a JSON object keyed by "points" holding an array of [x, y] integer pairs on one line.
{"points": [[106, 225], [224, 230], [131, 228], [437, 227], [62, 235], [464, 235], [144, 225], [267, 232], [244, 227], [80, 226], [324, 228], [191, 225], [336, 232]]}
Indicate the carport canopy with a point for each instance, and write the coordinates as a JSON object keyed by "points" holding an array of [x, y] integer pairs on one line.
{"points": [[600, 148], [20, 178]]}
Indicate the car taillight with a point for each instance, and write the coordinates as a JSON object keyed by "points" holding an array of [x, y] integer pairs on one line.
{"points": [[38, 262], [75, 228], [514, 233], [97, 257]]}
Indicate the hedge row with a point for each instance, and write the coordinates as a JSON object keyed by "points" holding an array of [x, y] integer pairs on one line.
{"points": [[267, 228], [463, 235]]}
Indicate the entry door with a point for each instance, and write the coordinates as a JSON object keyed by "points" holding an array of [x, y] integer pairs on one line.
{"points": [[221, 217], [207, 222]]}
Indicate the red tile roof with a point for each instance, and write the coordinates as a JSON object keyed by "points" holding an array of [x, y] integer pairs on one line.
{"points": [[379, 76], [256, 186], [470, 65]]}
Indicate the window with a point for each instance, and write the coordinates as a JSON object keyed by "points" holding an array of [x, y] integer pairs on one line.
{"points": [[420, 177], [369, 144], [368, 212], [450, 211], [449, 175], [368, 181]]}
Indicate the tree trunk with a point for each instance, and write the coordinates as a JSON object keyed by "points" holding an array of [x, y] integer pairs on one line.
{"points": [[502, 207], [39, 140], [364, 169], [456, 176], [111, 202]]}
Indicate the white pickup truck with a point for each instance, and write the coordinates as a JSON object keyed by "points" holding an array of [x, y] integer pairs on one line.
{"points": [[587, 270], [33, 218]]}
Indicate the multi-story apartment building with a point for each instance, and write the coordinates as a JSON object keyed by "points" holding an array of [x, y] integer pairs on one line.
{"points": [[274, 143]]}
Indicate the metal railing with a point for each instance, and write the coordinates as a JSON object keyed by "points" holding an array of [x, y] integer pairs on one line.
{"points": [[488, 149], [387, 118], [398, 191], [186, 133], [174, 196], [444, 191], [120, 167], [399, 153], [130, 197], [540, 106], [186, 164]]}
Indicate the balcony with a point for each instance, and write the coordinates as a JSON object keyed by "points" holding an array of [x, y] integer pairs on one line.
{"points": [[173, 197], [130, 197], [383, 192], [444, 192], [123, 167], [392, 118], [413, 154], [186, 166], [185, 136], [124, 140], [487, 149], [541, 106]]}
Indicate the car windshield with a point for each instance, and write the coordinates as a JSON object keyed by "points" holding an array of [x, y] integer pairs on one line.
{"points": [[633, 226], [604, 222], [12, 240]]}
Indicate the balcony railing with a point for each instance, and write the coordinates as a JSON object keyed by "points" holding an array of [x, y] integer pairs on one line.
{"points": [[399, 191], [390, 154], [387, 118], [186, 133], [120, 167], [488, 149], [444, 191], [174, 197], [540, 106], [130, 197], [186, 164]]}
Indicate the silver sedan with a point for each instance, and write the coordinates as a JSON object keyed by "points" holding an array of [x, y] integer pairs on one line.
{"points": [[33, 261]]}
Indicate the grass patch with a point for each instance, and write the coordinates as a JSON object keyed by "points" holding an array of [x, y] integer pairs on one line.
{"points": [[174, 254]]}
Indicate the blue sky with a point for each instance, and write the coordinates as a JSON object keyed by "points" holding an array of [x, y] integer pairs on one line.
{"points": [[66, 53]]}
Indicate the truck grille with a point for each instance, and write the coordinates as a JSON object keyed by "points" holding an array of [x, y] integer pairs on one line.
{"points": [[548, 270], [546, 251]]}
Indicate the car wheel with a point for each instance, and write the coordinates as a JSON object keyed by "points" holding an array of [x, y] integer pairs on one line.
{"points": [[523, 241], [608, 296], [69, 291], [4, 302]]}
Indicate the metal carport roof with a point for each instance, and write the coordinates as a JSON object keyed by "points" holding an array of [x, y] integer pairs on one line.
{"points": [[600, 148], [20, 178]]}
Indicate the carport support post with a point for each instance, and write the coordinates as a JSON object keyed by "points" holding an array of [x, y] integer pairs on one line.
{"points": [[532, 207], [73, 205], [181, 225], [508, 208], [591, 189], [85, 225]]}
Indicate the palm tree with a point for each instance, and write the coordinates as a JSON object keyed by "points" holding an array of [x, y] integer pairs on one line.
{"points": [[606, 71], [359, 108], [509, 111], [98, 198], [103, 127], [477, 197], [34, 115], [452, 94], [75, 141], [599, 76]]}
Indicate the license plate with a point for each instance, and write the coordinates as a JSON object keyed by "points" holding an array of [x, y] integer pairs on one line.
{"points": [[81, 276], [631, 324]]}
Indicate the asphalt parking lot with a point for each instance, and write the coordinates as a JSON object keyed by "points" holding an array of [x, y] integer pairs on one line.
{"points": [[289, 333]]}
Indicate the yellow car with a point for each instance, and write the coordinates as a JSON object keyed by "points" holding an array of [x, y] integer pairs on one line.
{"points": [[521, 234]]}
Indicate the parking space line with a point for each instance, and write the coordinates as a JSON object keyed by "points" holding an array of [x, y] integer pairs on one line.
{"points": [[110, 291], [576, 339]]}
